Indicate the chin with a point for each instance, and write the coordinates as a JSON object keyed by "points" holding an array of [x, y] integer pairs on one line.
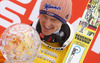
{"points": [[46, 34]]}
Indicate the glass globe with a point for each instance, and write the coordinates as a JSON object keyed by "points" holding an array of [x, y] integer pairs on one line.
{"points": [[20, 42]]}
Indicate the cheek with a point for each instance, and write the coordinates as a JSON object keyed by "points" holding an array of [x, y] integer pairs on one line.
{"points": [[57, 26], [41, 21]]}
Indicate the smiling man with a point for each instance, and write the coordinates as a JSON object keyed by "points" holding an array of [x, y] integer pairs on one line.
{"points": [[53, 25]]}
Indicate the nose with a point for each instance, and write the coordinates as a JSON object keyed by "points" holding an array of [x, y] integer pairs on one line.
{"points": [[47, 23]]}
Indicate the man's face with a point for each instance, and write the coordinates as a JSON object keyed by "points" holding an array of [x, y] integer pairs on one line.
{"points": [[49, 24]]}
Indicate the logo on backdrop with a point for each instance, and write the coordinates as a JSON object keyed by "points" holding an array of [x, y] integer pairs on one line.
{"points": [[75, 50]]}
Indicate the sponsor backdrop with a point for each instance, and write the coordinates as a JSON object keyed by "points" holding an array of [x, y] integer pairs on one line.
{"points": [[26, 11]]}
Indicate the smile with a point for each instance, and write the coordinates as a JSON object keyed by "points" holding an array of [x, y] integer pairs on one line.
{"points": [[47, 28]]}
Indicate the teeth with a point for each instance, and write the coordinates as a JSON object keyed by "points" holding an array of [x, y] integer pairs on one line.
{"points": [[47, 27]]}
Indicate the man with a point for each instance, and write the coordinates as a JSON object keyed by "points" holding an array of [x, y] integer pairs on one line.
{"points": [[52, 24]]}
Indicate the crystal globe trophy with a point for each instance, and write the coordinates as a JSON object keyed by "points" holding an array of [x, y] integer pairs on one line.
{"points": [[20, 44]]}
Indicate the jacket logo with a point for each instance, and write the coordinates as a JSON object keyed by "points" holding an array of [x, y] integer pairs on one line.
{"points": [[48, 6]]}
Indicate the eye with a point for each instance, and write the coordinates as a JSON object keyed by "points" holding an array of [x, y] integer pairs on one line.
{"points": [[53, 19], [45, 16]]}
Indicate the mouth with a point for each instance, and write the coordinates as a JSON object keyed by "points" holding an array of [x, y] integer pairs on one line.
{"points": [[47, 28]]}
